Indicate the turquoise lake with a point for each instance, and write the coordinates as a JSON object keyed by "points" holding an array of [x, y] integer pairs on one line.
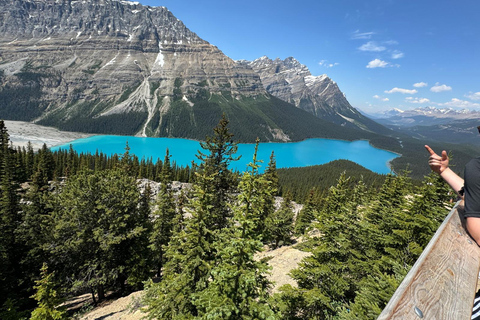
{"points": [[292, 154]]}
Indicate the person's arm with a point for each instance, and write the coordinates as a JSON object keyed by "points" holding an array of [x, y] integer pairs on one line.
{"points": [[439, 164]]}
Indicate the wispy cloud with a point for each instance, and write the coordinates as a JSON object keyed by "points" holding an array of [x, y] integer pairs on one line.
{"points": [[420, 84], [462, 104], [381, 98], [377, 63], [400, 90], [372, 46], [417, 100], [397, 54], [473, 96], [362, 35], [440, 87], [391, 42], [324, 63]]}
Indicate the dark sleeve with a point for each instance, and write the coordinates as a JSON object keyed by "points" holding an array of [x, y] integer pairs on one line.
{"points": [[472, 188]]}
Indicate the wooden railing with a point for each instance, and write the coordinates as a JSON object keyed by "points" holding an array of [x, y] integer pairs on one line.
{"points": [[442, 283]]}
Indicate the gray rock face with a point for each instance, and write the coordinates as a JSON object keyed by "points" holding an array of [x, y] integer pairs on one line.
{"points": [[90, 51], [292, 82], [110, 66]]}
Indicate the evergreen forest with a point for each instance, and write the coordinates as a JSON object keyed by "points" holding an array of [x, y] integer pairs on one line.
{"points": [[74, 223]]}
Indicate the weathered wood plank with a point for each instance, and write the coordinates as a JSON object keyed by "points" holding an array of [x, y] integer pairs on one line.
{"points": [[442, 283]]}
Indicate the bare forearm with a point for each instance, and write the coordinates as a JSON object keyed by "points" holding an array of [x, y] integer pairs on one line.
{"points": [[453, 180]]}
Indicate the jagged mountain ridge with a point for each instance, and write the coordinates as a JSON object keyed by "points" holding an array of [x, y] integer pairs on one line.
{"points": [[425, 116], [108, 66], [293, 82]]}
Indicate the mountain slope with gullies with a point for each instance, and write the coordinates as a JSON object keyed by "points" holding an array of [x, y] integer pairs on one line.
{"points": [[118, 67], [292, 82]]}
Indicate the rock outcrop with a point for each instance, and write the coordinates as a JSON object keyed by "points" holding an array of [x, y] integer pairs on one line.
{"points": [[118, 67], [292, 82]]}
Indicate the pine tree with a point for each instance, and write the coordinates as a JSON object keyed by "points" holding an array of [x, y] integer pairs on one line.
{"points": [[37, 221], [48, 299], [279, 224], [99, 230], [306, 215], [268, 209], [164, 216], [29, 159], [11, 251], [328, 277], [215, 160], [190, 255], [238, 289]]}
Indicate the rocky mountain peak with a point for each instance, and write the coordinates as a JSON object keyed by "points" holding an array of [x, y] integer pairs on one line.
{"points": [[114, 66], [80, 20], [100, 59], [293, 82]]}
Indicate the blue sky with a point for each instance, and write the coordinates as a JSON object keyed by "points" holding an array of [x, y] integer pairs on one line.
{"points": [[383, 54]]}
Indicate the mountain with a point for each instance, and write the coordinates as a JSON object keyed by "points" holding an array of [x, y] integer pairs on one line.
{"points": [[292, 82], [436, 124], [118, 67], [424, 116]]}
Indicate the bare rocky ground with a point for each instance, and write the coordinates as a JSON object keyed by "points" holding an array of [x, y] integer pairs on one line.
{"points": [[21, 132], [282, 260]]}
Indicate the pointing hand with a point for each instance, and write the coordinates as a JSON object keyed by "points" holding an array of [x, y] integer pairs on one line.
{"points": [[437, 163]]}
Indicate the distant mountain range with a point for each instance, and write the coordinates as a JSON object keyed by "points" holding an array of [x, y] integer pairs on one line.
{"points": [[424, 116], [118, 67], [445, 124]]}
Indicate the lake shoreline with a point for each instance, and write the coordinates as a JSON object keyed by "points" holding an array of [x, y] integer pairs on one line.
{"points": [[21, 132]]}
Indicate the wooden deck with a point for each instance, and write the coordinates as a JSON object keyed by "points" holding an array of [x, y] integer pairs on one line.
{"points": [[442, 283]]}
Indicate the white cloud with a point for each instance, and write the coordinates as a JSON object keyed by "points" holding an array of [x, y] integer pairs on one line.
{"points": [[440, 87], [400, 90], [462, 104], [473, 96], [391, 42], [372, 46], [397, 54], [380, 98], [362, 35], [377, 63], [417, 100], [324, 63], [420, 84]]}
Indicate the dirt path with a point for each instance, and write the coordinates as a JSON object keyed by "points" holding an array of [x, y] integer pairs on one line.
{"points": [[283, 260]]}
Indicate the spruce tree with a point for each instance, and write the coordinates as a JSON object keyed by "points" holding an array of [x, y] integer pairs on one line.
{"points": [[308, 213], [238, 289], [279, 224], [48, 298], [29, 159], [99, 229], [164, 216], [11, 251], [191, 251], [328, 277], [37, 224], [190, 255], [268, 209], [219, 152]]}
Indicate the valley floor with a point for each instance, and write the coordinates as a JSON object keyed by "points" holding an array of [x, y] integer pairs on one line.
{"points": [[21, 132]]}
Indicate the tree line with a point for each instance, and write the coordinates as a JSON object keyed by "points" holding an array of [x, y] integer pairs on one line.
{"points": [[95, 231]]}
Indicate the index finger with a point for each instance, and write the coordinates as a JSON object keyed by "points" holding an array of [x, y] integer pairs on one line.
{"points": [[430, 150]]}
